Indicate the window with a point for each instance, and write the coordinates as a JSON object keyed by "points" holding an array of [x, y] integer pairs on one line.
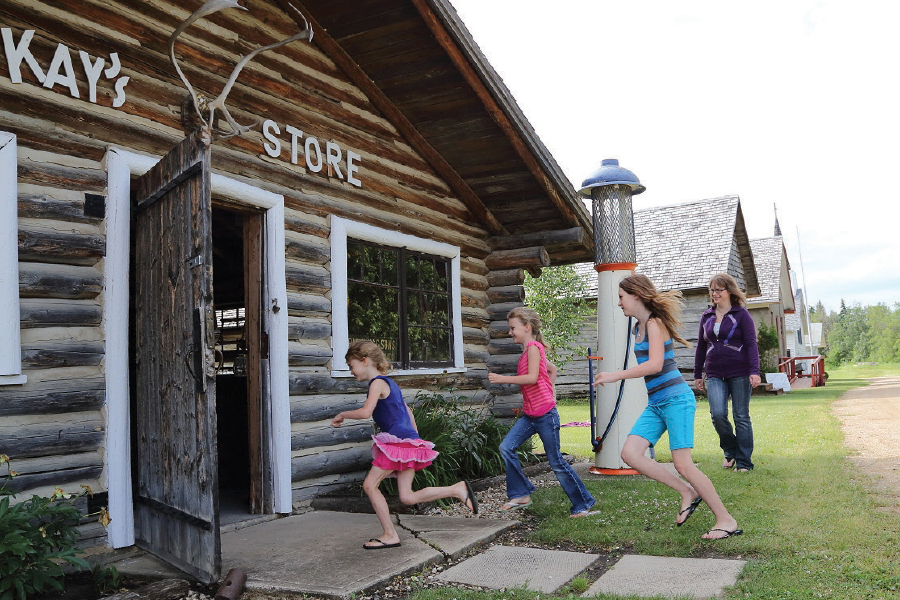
{"points": [[400, 299], [11, 348], [399, 291]]}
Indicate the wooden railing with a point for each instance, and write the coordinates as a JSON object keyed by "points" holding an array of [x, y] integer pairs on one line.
{"points": [[788, 365]]}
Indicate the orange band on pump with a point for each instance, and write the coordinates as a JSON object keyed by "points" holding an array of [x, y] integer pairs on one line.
{"points": [[615, 267]]}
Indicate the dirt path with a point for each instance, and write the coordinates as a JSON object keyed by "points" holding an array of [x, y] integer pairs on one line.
{"points": [[870, 420]]}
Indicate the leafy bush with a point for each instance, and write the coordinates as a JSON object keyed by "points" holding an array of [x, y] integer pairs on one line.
{"points": [[467, 436], [767, 344], [37, 537]]}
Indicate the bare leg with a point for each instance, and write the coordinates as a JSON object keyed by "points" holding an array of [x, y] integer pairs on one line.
{"points": [[700, 482], [633, 453], [408, 496], [370, 487]]}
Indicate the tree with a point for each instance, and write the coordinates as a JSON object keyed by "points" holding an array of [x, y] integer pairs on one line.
{"points": [[559, 297]]}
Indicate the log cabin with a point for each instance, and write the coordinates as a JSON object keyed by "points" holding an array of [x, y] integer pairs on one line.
{"points": [[177, 299]]}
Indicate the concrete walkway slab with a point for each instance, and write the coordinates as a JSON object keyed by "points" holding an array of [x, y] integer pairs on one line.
{"points": [[321, 552], [668, 577], [505, 567]]}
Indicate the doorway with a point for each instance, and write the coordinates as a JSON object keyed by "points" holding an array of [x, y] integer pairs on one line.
{"points": [[237, 285]]}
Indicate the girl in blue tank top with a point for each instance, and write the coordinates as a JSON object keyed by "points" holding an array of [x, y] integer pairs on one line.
{"points": [[671, 403], [397, 450]]}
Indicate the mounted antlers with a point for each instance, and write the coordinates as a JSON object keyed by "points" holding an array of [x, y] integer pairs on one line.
{"points": [[200, 102]]}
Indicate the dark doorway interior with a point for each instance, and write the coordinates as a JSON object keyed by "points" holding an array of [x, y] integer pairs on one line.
{"points": [[231, 364]]}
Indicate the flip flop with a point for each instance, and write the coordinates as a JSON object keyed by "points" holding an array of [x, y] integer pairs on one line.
{"points": [[470, 495], [584, 513], [689, 510], [728, 463], [513, 506], [727, 533], [381, 545]]}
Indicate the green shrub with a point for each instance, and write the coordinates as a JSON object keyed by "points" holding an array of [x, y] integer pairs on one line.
{"points": [[37, 537]]}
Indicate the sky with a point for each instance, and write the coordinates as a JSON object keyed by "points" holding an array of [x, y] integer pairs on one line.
{"points": [[793, 105]]}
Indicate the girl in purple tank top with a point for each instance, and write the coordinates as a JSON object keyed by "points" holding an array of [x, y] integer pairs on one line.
{"points": [[397, 450]]}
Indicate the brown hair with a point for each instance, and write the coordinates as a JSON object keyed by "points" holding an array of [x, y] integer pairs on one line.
{"points": [[361, 349], [664, 306], [727, 281], [528, 316]]}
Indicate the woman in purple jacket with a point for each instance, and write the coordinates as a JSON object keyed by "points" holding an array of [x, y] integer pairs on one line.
{"points": [[726, 347]]}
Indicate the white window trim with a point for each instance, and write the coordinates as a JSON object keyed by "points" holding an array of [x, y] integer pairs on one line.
{"points": [[341, 229], [11, 347], [120, 166]]}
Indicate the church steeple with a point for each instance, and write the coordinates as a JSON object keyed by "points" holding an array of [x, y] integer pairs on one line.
{"points": [[777, 226]]}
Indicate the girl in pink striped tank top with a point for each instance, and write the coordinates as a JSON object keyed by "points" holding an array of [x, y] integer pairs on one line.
{"points": [[535, 374]]}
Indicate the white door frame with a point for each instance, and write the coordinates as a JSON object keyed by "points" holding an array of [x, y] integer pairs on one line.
{"points": [[121, 165]]}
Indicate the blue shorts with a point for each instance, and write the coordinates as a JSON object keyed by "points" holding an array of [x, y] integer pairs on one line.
{"points": [[675, 414]]}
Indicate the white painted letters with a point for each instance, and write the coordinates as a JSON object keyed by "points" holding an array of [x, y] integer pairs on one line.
{"points": [[312, 152], [61, 70]]}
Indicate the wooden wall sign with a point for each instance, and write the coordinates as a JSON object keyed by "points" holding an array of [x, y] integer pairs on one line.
{"points": [[60, 71], [313, 153]]}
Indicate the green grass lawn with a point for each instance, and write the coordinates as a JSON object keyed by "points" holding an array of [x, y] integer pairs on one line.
{"points": [[810, 528]]}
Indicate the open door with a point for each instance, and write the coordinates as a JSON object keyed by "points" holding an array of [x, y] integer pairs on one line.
{"points": [[176, 480]]}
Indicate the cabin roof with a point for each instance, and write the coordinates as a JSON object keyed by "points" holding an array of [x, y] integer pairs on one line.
{"points": [[680, 247], [770, 257], [421, 67]]}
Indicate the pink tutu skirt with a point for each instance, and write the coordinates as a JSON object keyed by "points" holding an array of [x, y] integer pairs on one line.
{"points": [[394, 454]]}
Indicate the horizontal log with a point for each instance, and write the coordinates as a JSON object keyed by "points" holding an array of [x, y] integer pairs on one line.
{"points": [[475, 355], [75, 353], [50, 464], [308, 489], [473, 282], [553, 241], [321, 383], [475, 318], [307, 305], [504, 346], [60, 247], [307, 279], [506, 406], [474, 299], [331, 436], [329, 462], [37, 280], [507, 293], [45, 206], [300, 223], [64, 177], [43, 439], [308, 355], [535, 256], [321, 407], [308, 252], [45, 312], [503, 363], [74, 396], [506, 277], [498, 312], [498, 329], [303, 328], [54, 478], [472, 335]]}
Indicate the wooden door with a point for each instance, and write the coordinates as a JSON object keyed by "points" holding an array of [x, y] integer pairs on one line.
{"points": [[176, 495]]}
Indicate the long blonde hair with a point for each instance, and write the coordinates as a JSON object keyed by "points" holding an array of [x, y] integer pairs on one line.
{"points": [[528, 316], [727, 281], [361, 349], [664, 306]]}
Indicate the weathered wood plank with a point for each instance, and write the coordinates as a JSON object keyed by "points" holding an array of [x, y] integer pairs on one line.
{"points": [[330, 462], [73, 353], [325, 406], [306, 328], [60, 397], [300, 305], [49, 312], [38, 280], [326, 435], [51, 246], [46, 206], [306, 251], [305, 355], [48, 438], [61, 477], [307, 279]]}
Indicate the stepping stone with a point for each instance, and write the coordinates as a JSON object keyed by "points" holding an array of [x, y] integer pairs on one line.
{"points": [[667, 577], [504, 567]]}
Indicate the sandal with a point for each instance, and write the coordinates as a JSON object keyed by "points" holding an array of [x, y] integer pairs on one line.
{"points": [[728, 463], [513, 505]]}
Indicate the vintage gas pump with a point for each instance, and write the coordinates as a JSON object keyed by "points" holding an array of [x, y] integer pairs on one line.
{"points": [[610, 189]]}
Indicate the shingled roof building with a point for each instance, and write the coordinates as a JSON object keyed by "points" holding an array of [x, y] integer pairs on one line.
{"points": [[776, 298], [679, 247]]}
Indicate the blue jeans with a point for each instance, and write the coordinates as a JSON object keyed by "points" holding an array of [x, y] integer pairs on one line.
{"points": [[737, 444], [547, 427]]}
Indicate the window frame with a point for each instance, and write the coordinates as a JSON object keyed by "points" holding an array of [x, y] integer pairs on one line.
{"points": [[10, 317], [344, 229]]}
